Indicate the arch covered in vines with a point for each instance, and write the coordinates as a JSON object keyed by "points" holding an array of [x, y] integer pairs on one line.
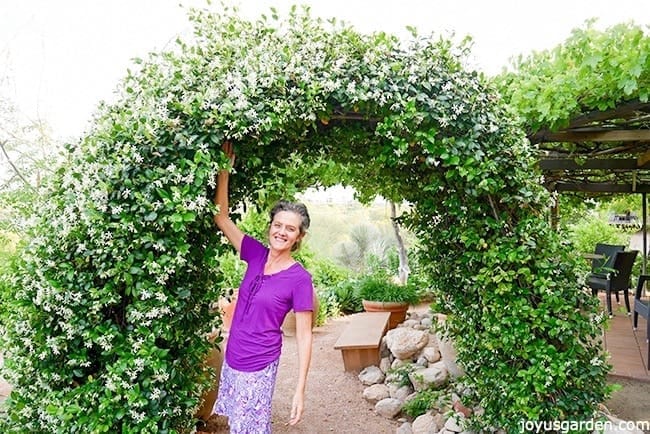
{"points": [[113, 293]]}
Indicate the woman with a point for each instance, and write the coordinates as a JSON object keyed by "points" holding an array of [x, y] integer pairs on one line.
{"points": [[273, 284]]}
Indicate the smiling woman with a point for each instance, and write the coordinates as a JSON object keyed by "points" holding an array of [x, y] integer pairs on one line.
{"points": [[274, 284], [112, 306]]}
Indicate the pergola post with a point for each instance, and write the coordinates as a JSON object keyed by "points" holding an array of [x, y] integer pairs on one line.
{"points": [[555, 213], [644, 207]]}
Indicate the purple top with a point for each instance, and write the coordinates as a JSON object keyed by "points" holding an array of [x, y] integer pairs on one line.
{"points": [[255, 338]]}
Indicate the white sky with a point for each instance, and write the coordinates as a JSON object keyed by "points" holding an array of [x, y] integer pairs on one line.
{"points": [[62, 57]]}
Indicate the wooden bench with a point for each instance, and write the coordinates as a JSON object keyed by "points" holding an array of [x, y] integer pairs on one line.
{"points": [[359, 343]]}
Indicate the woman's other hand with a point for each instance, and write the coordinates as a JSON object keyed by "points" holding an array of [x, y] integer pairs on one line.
{"points": [[297, 408]]}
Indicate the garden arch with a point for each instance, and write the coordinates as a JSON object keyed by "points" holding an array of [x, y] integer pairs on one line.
{"points": [[113, 294]]}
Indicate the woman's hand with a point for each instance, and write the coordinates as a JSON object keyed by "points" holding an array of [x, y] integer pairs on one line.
{"points": [[297, 408], [222, 217], [227, 149]]}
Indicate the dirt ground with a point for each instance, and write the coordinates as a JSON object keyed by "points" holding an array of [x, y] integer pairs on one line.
{"points": [[334, 402], [632, 401]]}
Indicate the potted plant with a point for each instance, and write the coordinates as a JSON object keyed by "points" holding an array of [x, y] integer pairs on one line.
{"points": [[380, 294]]}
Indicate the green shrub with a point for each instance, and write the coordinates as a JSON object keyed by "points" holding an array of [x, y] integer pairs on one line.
{"points": [[381, 288], [424, 401], [401, 374], [347, 296], [329, 306], [589, 231], [325, 272], [232, 270]]}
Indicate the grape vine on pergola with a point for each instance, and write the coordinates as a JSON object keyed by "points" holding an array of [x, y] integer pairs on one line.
{"points": [[585, 105]]}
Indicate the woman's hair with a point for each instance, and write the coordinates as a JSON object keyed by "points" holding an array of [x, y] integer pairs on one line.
{"points": [[294, 207]]}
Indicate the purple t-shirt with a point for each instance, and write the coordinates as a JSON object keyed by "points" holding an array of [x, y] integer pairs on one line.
{"points": [[255, 338]]}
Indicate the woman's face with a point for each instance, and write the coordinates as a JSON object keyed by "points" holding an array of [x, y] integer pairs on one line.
{"points": [[284, 231]]}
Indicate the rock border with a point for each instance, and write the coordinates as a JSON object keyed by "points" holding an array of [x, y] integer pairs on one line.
{"points": [[415, 357]]}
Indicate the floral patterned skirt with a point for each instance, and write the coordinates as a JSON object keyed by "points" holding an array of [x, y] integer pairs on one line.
{"points": [[245, 398]]}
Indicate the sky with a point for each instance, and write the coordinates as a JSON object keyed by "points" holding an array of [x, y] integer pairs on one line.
{"points": [[60, 58]]}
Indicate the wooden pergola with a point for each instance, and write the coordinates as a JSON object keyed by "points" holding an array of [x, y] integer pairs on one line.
{"points": [[601, 152]]}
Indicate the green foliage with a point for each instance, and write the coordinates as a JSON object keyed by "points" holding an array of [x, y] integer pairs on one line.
{"points": [[367, 246], [381, 288], [424, 401], [586, 233], [419, 278], [340, 297], [591, 70], [232, 270], [327, 277], [620, 204], [7, 259], [29, 154], [401, 374], [328, 308], [347, 296], [112, 295]]}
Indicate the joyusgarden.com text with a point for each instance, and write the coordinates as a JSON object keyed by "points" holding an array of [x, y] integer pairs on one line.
{"points": [[564, 426]]}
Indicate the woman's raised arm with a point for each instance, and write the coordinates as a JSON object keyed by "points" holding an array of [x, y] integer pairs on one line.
{"points": [[222, 217]]}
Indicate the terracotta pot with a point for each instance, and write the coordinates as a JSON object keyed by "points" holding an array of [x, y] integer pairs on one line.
{"points": [[215, 361], [227, 310], [397, 310]]}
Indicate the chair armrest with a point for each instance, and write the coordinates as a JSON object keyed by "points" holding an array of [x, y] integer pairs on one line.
{"points": [[639, 286]]}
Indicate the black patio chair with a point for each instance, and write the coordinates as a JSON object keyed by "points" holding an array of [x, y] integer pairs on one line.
{"points": [[618, 279], [600, 266], [642, 307]]}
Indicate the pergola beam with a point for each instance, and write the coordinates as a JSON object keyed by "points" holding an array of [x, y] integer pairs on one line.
{"points": [[594, 163], [592, 136], [621, 111], [600, 187]]}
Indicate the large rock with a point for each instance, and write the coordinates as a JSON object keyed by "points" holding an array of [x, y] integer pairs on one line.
{"points": [[385, 364], [433, 341], [376, 393], [448, 353], [400, 392], [410, 323], [454, 423], [404, 428], [371, 375], [425, 424], [404, 343], [389, 407], [431, 354], [435, 376], [397, 363]]}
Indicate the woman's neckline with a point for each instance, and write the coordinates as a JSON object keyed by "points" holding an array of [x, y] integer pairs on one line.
{"points": [[266, 258], [280, 271]]}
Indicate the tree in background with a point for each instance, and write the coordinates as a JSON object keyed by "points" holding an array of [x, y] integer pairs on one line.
{"points": [[27, 155], [365, 241], [403, 266]]}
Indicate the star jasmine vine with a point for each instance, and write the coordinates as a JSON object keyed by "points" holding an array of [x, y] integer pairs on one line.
{"points": [[113, 293]]}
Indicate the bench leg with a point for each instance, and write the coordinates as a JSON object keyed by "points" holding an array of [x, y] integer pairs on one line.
{"points": [[358, 359]]}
